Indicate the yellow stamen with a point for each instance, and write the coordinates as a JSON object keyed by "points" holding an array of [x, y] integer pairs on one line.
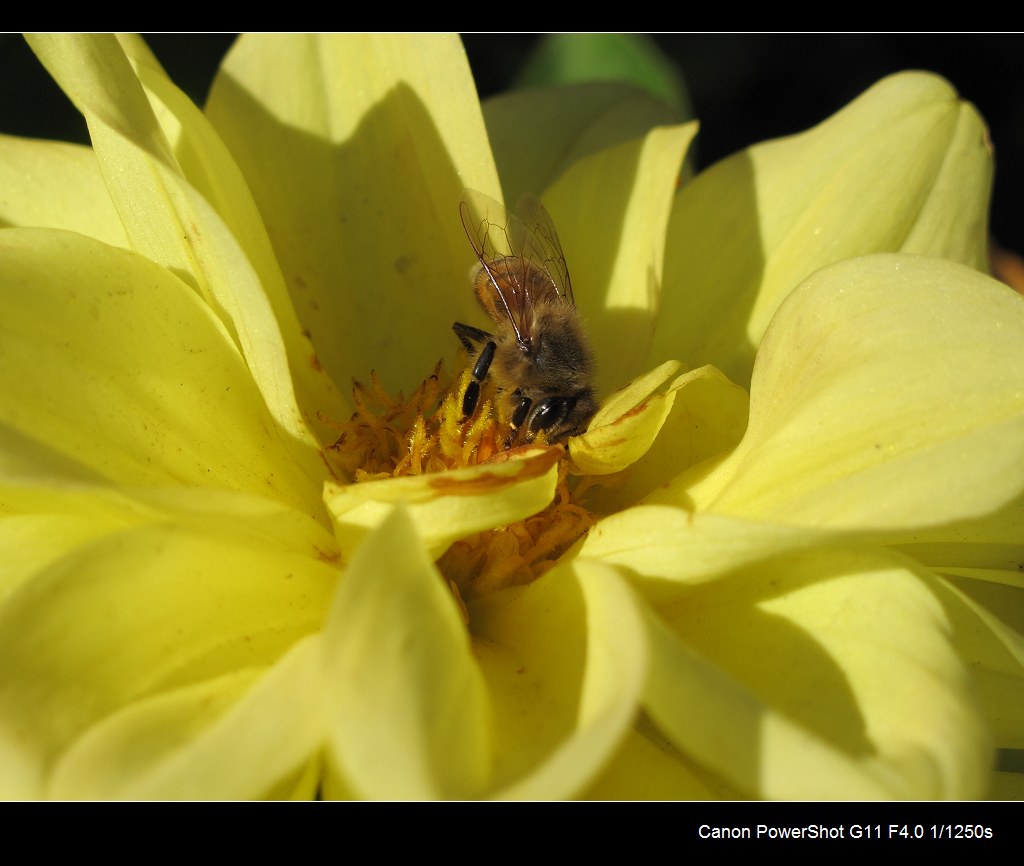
{"points": [[393, 436]]}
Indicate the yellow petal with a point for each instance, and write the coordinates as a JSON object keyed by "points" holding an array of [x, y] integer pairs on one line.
{"points": [[538, 133], [647, 767], [45, 517], [611, 210], [531, 644], [100, 82], [669, 550], [55, 185], [626, 424], [357, 148], [168, 219], [886, 396], [40, 522], [138, 51], [1008, 786], [32, 541], [608, 696], [114, 362], [988, 547], [447, 506], [136, 614], [705, 415], [824, 675], [408, 712], [906, 167], [208, 167], [988, 621], [564, 659], [229, 738]]}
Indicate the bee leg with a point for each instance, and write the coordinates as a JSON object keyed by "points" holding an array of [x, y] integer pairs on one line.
{"points": [[469, 336], [519, 416], [470, 398], [483, 361], [480, 368]]}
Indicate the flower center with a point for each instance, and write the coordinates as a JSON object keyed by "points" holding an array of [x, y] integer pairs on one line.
{"points": [[388, 437]]}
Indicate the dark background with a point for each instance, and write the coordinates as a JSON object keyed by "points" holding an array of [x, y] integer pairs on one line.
{"points": [[744, 87]]}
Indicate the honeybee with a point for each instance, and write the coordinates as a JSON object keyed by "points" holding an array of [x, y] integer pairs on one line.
{"points": [[538, 355]]}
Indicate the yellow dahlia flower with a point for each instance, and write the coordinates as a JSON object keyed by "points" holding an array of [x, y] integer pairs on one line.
{"points": [[224, 577]]}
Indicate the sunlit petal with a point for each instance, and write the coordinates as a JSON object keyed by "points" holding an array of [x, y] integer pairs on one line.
{"points": [[670, 550], [407, 705], [538, 133], [198, 742], [704, 414], [626, 425], [751, 228], [134, 614], [612, 210], [820, 677], [145, 161], [357, 148], [157, 395], [836, 438], [612, 684], [56, 185]]}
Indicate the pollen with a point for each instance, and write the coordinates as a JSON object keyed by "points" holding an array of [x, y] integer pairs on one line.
{"points": [[392, 436]]}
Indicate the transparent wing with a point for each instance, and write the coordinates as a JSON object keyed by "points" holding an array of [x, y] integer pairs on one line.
{"points": [[520, 257], [541, 240]]}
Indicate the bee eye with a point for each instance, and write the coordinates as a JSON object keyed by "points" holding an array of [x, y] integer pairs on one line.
{"points": [[549, 412]]}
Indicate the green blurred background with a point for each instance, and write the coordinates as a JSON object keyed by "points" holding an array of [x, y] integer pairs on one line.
{"points": [[744, 88]]}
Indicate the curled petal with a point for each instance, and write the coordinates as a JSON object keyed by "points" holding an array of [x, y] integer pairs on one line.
{"points": [[701, 414], [626, 425], [447, 506]]}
